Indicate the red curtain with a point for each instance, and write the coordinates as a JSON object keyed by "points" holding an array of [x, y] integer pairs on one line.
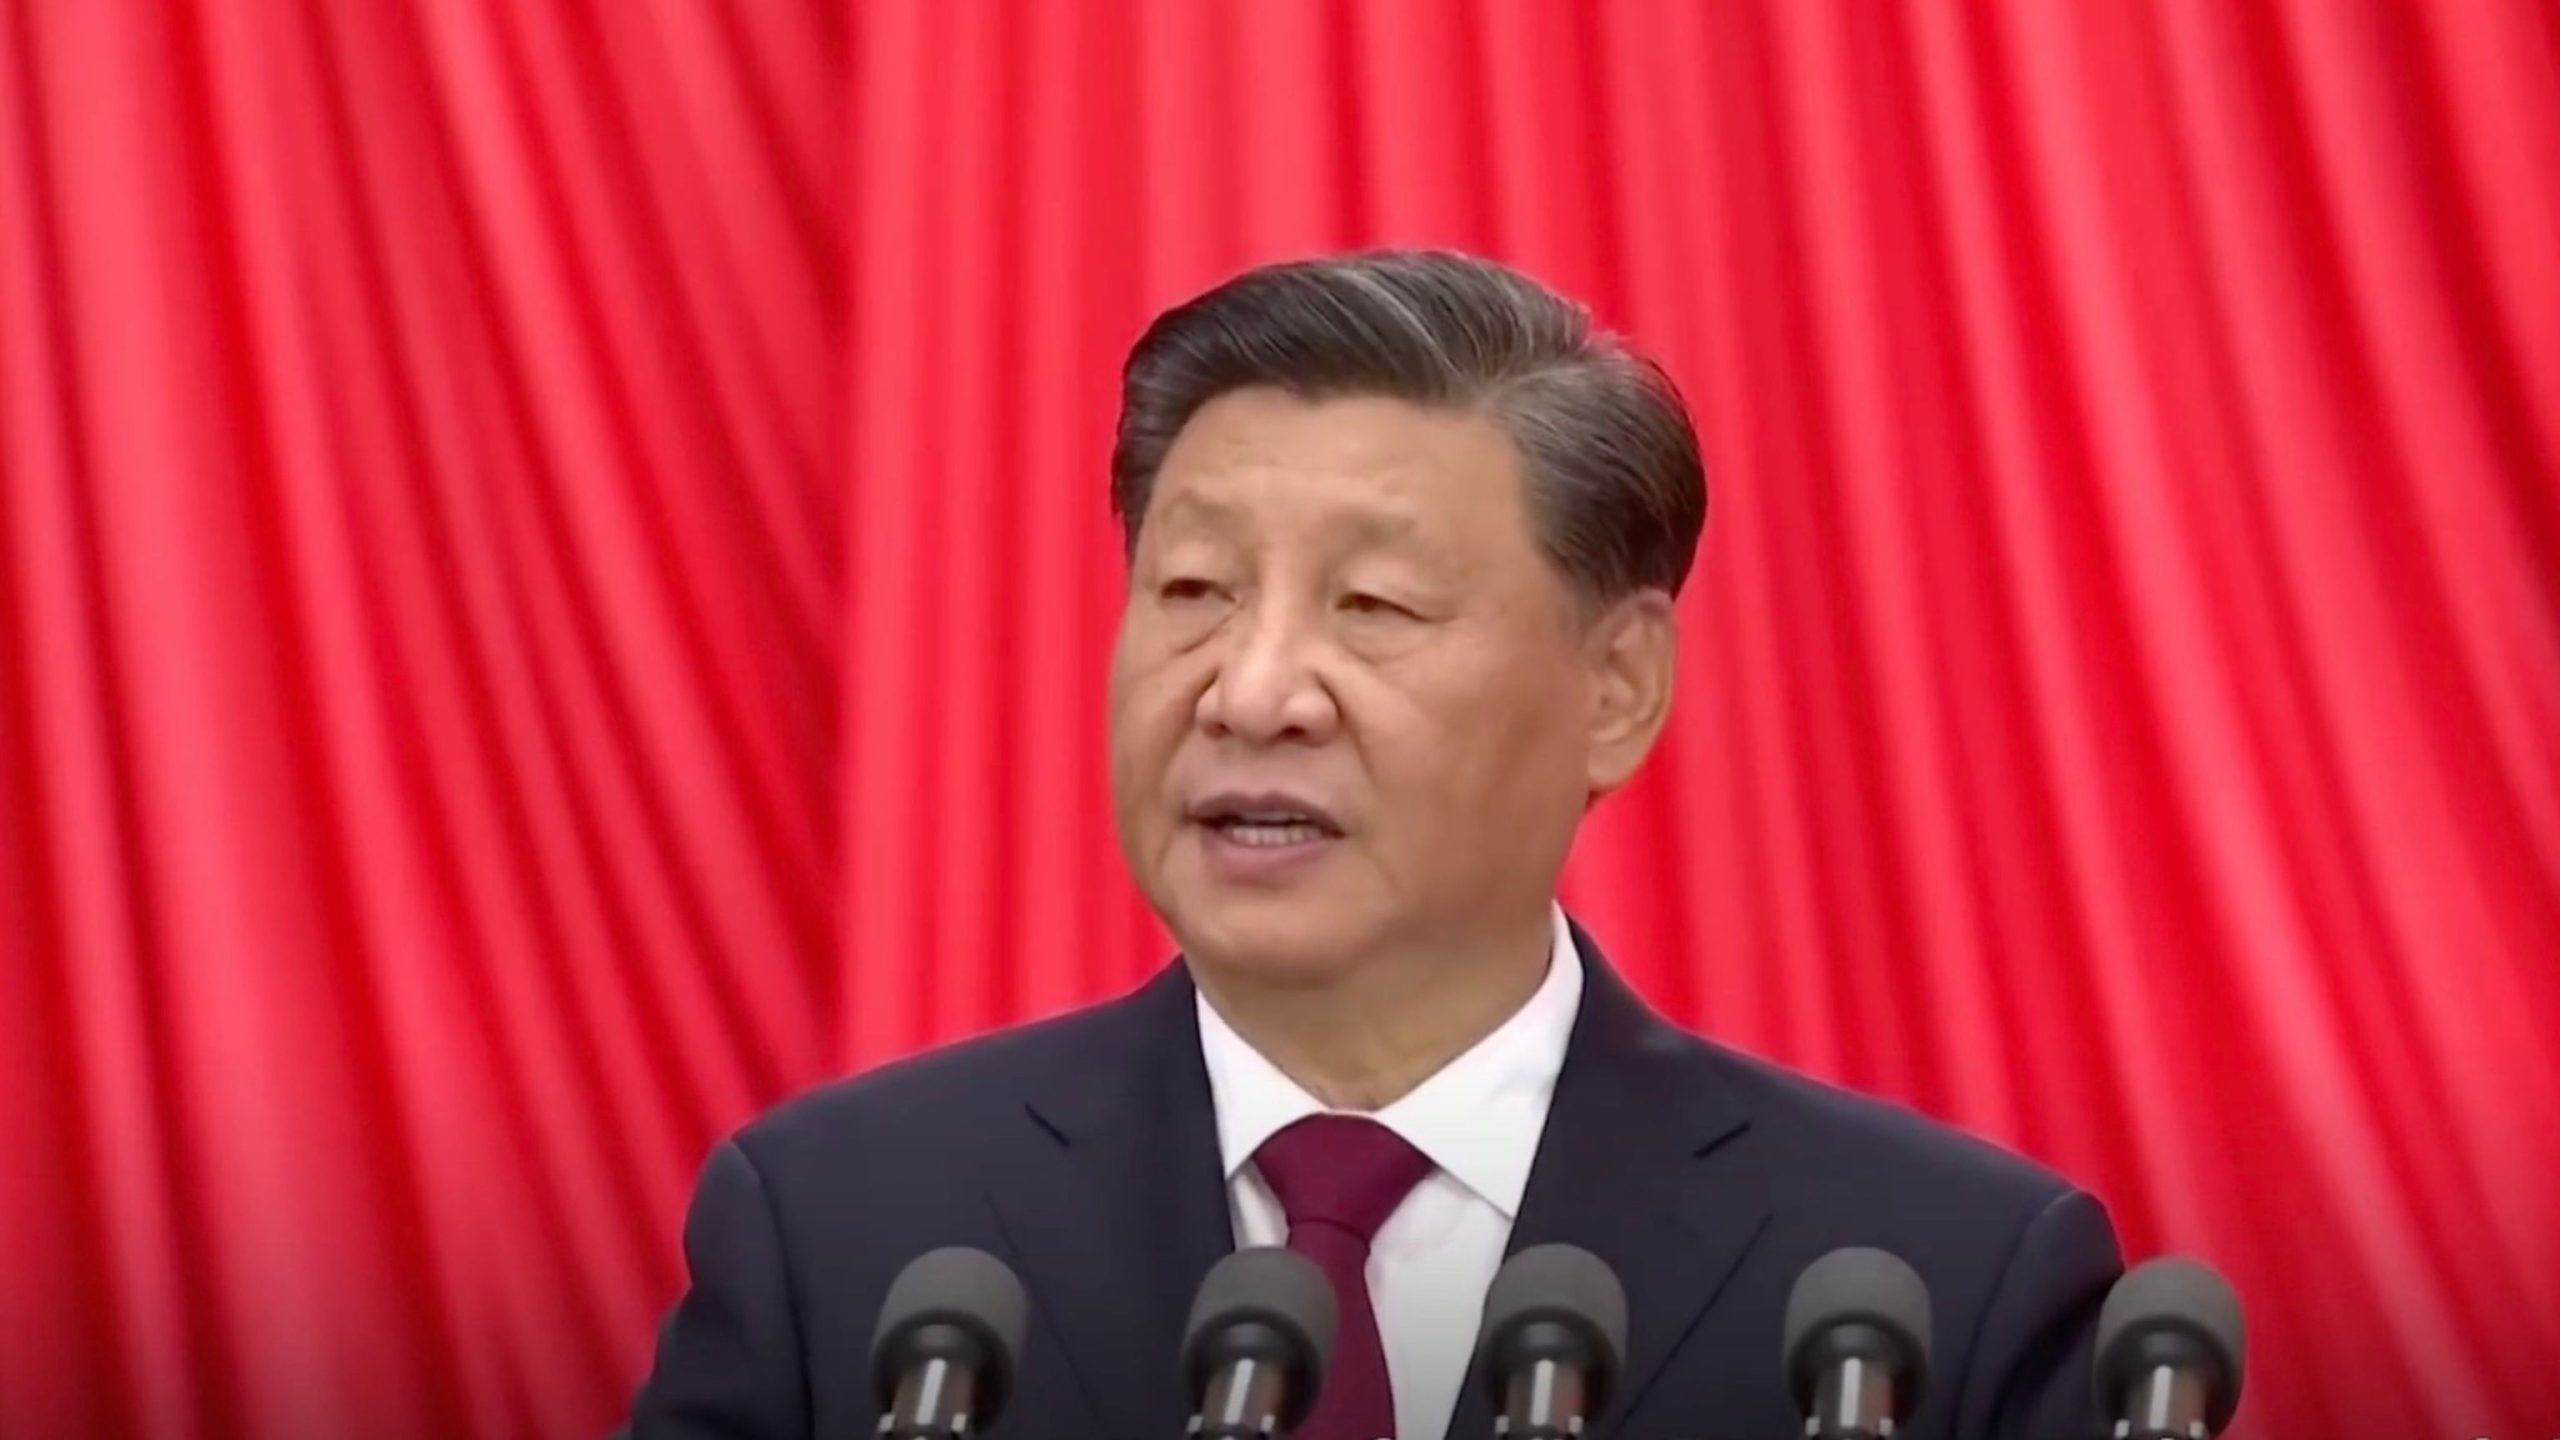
{"points": [[554, 576]]}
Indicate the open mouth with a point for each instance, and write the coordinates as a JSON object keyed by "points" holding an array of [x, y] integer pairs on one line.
{"points": [[1266, 821]]}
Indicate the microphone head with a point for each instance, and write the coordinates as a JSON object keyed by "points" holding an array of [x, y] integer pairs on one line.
{"points": [[1554, 1302], [2179, 1312], [957, 1304], [1268, 1304], [1859, 1304]]}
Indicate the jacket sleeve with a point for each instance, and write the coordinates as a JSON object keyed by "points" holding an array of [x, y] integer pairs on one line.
{"points": [[728, 1361], [2028, 1377]]}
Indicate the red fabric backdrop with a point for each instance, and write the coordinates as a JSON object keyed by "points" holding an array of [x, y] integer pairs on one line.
{"points": [[553, 577]]}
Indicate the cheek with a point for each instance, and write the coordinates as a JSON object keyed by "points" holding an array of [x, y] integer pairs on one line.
{"points": [[1487, 745], [1151, 708]]}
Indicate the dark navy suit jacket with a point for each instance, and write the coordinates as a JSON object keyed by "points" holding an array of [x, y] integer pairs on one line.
{"points": [[1084, 1152]]}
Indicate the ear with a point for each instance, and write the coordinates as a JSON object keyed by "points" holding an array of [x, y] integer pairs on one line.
{"points": [[1633, 653]]}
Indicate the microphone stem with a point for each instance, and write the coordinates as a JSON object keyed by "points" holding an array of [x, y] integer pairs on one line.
{"points": [[2166, 1404], [932, 1404], [1545, 1402], [1242, 1403], [1852, 1401]]}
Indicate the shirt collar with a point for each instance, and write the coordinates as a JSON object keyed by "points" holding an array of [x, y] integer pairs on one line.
{"points": [[1478, 1117]]}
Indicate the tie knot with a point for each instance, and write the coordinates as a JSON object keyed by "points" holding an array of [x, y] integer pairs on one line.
{"points": [[1340, 1170]]}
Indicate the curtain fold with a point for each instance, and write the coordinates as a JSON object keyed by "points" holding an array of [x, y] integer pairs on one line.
{"points": [[554, 580]]}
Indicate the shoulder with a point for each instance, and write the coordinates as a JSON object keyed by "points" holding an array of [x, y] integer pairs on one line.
{"points": [[1831, 1167], [1817, 1120], [1816, 1144], [935, 1100], [1835, 1167]]}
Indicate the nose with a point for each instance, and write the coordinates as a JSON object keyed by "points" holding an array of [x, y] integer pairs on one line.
{"points": [[1268, 687]]}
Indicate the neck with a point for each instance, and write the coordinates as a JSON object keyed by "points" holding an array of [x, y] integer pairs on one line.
{"points": [[1365, 1040]]}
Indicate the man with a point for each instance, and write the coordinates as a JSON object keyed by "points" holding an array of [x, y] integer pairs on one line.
{"points": [[1403, 536]]}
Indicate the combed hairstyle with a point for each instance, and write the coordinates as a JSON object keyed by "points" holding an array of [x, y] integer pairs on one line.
{"points": [[1616, 488]]}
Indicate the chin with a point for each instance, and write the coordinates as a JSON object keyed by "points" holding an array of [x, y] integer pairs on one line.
{"points": [[1267, 939]]}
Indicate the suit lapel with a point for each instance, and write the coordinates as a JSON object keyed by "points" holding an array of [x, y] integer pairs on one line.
{"points": [[1623, 1171], [1120, 1208]]}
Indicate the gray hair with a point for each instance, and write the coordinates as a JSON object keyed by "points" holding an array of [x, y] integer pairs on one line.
{"points": [[1616, 487]]}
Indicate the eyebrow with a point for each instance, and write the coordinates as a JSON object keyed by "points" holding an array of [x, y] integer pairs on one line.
{"points": [[1366, 528], [1377, 527], [1370, 525], [1192, 504]]}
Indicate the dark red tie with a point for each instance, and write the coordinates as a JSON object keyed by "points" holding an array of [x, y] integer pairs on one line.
{"points": [[1339, 1177]]}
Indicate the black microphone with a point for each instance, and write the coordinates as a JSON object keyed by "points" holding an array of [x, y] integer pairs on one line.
{"points": [[1553, 1340], [1255, 1349], [949, 1340], [1857, 1344], [2170, 1347]]}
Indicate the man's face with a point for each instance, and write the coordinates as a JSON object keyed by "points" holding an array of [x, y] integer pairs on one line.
{"points": [[1351, 701]]}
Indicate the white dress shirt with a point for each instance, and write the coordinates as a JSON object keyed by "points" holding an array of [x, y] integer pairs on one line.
{"points": [[1478, 1119]]}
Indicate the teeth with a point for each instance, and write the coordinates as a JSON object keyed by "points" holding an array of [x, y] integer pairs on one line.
{"points": [[1257, 833]]}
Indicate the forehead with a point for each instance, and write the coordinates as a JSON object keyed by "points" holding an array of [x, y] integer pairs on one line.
{"points": [[1372, 463]]}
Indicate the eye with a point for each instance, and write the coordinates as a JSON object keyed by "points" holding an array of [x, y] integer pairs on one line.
{"points": [[1185, 588], [1360, 602]]}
